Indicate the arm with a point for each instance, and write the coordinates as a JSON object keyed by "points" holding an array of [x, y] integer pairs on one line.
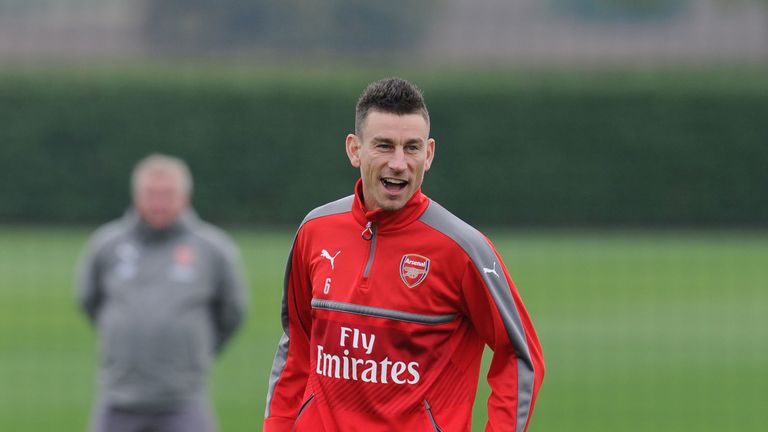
{"points": [[229, 307], [290, 368], [517, 367], [88, 288]]}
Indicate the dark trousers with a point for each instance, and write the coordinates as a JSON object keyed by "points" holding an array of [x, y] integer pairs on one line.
{"points": [[194, 417]]}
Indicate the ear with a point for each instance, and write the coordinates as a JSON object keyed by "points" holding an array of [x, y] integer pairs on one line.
{"points": [[353, 150], [430, 153]]}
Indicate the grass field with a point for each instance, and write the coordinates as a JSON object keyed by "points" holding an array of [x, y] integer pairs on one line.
{"points": [[662, 331]]}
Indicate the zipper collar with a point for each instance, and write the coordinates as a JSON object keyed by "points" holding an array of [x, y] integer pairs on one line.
{"points": [[388, 220]]}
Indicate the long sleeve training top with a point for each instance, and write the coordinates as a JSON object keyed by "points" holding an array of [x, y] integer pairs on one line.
{"points": [[385, 317]]}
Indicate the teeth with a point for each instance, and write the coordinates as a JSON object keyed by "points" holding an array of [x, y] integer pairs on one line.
{"points": [[395, 181]]}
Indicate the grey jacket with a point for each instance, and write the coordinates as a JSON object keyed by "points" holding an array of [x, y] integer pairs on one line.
{"points": [[164, 302]]}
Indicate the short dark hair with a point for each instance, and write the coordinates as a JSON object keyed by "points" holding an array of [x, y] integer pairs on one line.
{"points": [[391, 95]]}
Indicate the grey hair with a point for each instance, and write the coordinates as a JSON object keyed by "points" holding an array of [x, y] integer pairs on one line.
{"points": [[162, 163]]}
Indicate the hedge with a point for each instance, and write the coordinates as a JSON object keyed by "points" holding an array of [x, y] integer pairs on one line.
{"points": [[514, 148]]}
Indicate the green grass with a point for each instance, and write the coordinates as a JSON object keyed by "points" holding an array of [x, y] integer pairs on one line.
{"points": [[663, 331]]}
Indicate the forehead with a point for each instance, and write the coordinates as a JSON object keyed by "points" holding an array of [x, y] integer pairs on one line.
{"points": [[378, 123], [153, 177]]}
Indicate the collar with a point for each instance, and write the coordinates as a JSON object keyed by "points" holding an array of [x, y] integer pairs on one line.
{"points": [[150, 234], [386, 220]]}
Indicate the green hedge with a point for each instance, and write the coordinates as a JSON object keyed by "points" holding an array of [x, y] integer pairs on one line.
{"points": [[514, 148]]}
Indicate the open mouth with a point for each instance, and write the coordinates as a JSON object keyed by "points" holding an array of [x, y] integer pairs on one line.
{"points": [[393, 184]]}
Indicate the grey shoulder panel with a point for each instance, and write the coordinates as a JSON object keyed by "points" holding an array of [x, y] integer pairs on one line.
{"points": [[476, 246], [342, 205]]}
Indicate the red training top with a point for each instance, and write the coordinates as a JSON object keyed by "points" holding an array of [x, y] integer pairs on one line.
{"points": [[385, 317]]}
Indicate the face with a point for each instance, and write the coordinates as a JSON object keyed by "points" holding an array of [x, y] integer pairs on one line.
{"points": [[160, 198], [393, 154]]}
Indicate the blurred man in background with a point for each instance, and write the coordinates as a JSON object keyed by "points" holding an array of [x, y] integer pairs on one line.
{"points": [[165, 292], [390, 299]]}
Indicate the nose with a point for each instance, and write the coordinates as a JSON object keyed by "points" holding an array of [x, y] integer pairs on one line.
{"points": [[397, 162]]}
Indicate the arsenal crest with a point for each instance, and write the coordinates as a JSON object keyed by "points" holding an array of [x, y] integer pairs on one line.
{"points": [[184, 255], [413, 269], [183, 269]]}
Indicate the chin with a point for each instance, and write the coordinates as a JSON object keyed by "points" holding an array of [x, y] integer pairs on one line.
{"points": [[159, 223], [393, 206]]}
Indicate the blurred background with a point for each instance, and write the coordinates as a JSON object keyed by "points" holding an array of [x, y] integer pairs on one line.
{"points": [[615, 151]]}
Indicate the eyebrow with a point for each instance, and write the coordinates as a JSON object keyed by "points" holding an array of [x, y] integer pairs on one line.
{"points": [[382, 140], [391, 141]]}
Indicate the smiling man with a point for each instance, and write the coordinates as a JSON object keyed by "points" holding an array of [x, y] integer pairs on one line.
{"points": [[389, 299], [393, 154]]}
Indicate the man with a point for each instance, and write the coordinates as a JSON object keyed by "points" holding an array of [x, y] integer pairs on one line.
{"points": [[390, 299], [165, 292]]}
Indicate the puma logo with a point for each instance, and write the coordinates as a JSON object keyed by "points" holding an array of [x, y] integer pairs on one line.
{"points": [[324, 254], [491, 270]]}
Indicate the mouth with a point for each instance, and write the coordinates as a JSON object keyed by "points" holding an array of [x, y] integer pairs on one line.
{"points": [[393, 185]]}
